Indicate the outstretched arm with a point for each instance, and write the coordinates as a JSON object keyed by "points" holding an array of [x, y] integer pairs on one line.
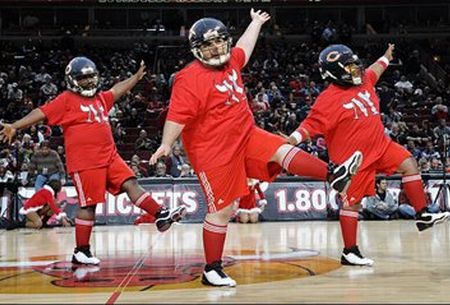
{"points": [[248, 39], [9, 130], [383, 62], [171, 132], [124, 86]]}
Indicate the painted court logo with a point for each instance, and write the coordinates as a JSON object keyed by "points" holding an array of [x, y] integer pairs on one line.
{"points": [[159, 272]]}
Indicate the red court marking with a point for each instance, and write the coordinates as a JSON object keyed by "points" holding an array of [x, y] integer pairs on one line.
{"points": [[127, 279]]}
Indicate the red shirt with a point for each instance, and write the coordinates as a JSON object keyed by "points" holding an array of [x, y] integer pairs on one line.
{"points": [[212, 105], [88, 138], [42, 197], [349, 119]]}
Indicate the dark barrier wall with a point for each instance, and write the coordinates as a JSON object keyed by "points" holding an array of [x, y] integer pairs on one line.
{"points": [[288, 199]]}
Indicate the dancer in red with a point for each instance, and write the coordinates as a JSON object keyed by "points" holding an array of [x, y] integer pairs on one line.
{"points": [[347, 114], [209, 108], [91, 155]]}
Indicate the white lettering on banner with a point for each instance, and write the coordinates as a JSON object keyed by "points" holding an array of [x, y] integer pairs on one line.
{"points": [[304, 200]]}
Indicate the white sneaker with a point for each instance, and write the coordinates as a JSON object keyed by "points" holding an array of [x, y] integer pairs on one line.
{"points": [[83, 255], [213, 275], [352, 257], [425, 220]]}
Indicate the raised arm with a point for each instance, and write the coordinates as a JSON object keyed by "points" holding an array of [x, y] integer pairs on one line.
{"points": [[248, 39], [171, 132], [383, 62], [9, 130], [124, 86]]}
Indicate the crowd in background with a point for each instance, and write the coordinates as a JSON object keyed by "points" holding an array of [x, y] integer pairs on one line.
{"points": [[281, 80]]}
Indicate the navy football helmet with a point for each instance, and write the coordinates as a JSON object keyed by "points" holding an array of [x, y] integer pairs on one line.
{"points": [[340, 65], [82, 76], [205, 31]]}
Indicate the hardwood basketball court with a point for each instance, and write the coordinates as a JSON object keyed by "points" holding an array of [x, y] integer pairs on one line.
{"points": [[278, 262]]}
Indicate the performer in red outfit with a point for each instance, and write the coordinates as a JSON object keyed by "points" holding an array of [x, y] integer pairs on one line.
{"points": [[251, 205], [91, 155], [347, 114], [42, 205], [209, 108]]}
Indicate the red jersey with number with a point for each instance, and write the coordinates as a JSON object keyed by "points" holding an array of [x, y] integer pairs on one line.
{"points": [[349, 119], [88, 139], [212, 104], [42, 197]]}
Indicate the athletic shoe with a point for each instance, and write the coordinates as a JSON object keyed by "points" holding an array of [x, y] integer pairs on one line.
{"points": [[165, 218], [339, 176], [352, 257], [83, 255], [213, 275], [425, 220]]}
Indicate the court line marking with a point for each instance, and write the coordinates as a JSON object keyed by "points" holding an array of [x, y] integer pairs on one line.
{"points": [[127, 278]]}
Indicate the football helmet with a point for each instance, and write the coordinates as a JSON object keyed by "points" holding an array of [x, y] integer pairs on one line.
{"points": [[340, 65], [81, 76], [204, 32]]}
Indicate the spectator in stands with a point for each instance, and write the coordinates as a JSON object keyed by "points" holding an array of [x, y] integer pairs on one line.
{"points": [[430, 152], [48, 90], [440, 130], [381, 206], [411, 147], [136, 161], [417, 135], [46, 165], [36, 135], [435, 165], [61, 154], [186, 171], [439, 110], [161, 170], [137, 171], [5, 174], [143, 142], [175, 161], [14, 93], [424, 165], [134, 119], [404, 84]]}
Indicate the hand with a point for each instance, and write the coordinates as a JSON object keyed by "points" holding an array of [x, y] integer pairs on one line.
{"points": [[258, 16], [163, 150], [388, 53], [7, 133], [141, 72], [63, 181]]}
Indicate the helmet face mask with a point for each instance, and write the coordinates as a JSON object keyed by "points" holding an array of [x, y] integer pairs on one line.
{"points": [[82, 77], [338, 64], [210, 42]]}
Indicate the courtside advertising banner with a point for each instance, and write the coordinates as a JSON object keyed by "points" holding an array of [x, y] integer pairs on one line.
{"points": [[287, 200]]}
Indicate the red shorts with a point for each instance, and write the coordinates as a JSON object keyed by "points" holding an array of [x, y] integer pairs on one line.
{"points": [[92, 184], [223, 184], [363, 183]]}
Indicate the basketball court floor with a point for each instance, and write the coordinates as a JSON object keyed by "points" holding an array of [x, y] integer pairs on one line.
{"points": [[278, 262]]}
